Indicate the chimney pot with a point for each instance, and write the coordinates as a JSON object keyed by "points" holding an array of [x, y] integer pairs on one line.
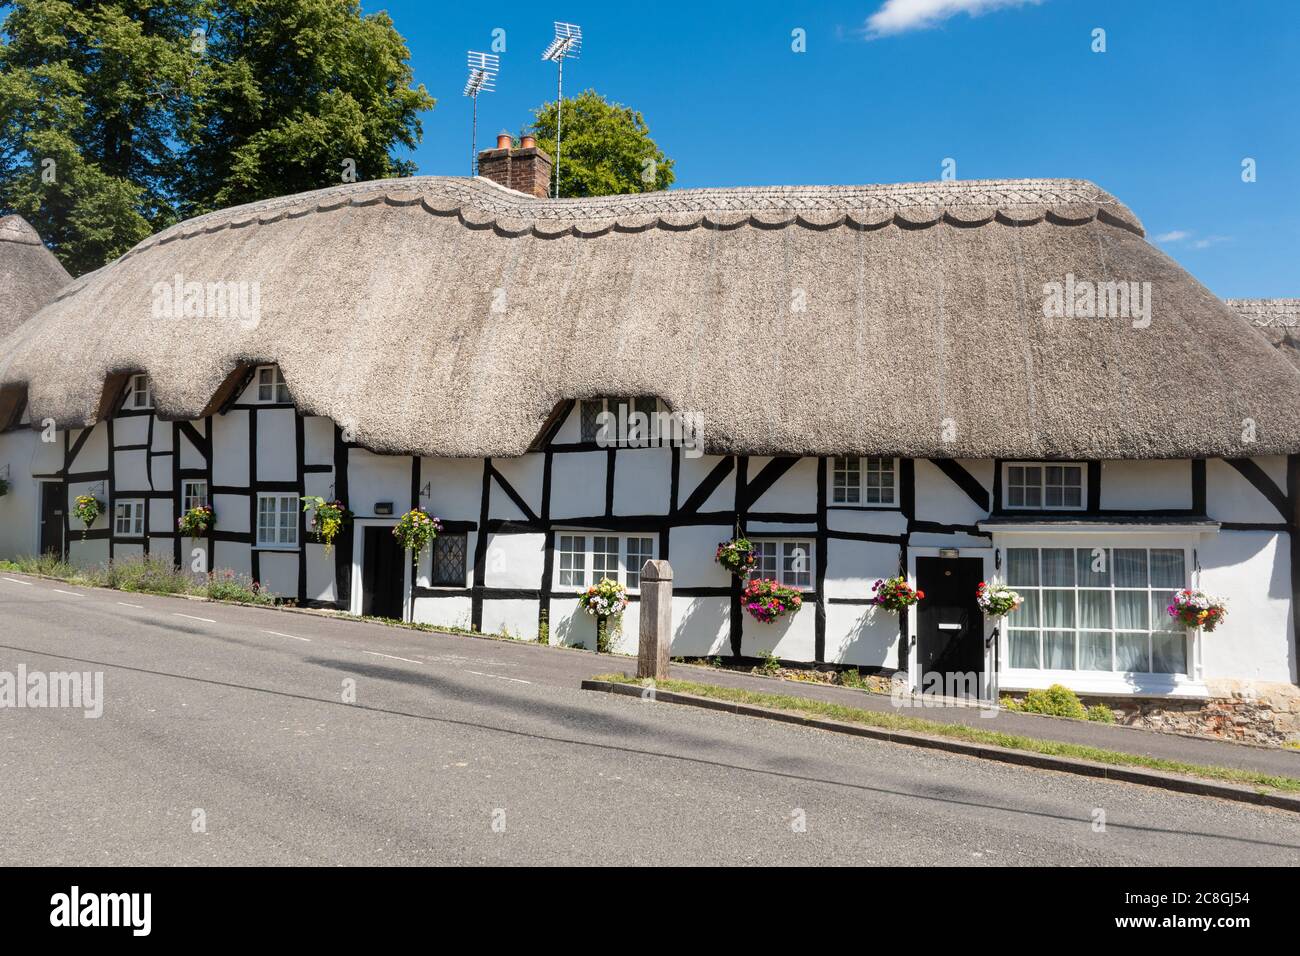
{"points": [[526, 169]]}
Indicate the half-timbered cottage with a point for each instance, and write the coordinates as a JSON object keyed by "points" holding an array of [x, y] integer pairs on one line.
{"points": [[958, 381]]}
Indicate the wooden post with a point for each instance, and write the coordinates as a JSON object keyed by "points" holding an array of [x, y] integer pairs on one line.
{"points": [[656, 620]]}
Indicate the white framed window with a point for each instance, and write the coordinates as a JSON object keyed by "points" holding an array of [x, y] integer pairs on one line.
{"points": [[1045, 485], [788, 562], [194, 492], [869, 481], [270, 386], [572, 568], [128, 518], [139, 393], [1097, 609], [277, 521], [586, 558]]}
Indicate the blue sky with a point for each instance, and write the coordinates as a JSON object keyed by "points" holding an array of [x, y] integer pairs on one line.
{"points": [[1163, 119]]}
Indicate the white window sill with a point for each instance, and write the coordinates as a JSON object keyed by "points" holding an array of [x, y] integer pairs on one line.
{"points": [[275, 547], [1106, 684]]}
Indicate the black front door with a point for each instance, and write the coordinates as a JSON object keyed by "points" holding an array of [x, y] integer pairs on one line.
{"points": [[950, 626], [383, 574], [53, 499]]}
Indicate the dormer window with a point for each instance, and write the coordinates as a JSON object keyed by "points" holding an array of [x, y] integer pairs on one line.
{"points": [[139, 393], [592, 408], [271, 389], [1045, 485]]}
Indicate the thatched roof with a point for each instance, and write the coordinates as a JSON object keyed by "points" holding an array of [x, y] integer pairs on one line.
{"points": [[1278, 320], [449, 316], [29, 273]]}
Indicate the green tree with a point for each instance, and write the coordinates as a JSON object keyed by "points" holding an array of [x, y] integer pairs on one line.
{"points": [[119, 117], [90, 95], [606, 147], [303, 92]]}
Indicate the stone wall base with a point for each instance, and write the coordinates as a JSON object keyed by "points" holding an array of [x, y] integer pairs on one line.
{"points": [[1253, 712]]}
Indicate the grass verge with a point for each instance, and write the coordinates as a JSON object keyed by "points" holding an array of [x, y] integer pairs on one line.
{"points": [[146, 575], [855, 715]]}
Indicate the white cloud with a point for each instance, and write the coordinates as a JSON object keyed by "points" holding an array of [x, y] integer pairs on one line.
{"points": [[1185, 235], [899, 16]]}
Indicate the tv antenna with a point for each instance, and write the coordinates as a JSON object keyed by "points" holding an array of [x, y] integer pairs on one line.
{"points": [[483, 68], [566, 46]]}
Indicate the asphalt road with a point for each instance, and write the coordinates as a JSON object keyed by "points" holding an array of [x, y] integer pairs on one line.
{"points": [[466, 751]]}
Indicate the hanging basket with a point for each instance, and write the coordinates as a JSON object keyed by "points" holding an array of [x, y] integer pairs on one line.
{"points": [[737, 556], [87, 508], [416, 529], [895, 594], [996, 599], [766, 600], [1193, 609], [327, 519], [199, 520]]}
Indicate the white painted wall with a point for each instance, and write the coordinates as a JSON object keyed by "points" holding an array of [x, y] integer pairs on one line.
{"points": [[19, 509]]}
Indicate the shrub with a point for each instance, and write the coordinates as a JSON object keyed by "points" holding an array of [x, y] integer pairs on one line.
{"points": [[147, 574], [851, 678], [1101, 714], [1056, 701], [228, 586], [770, 664]]}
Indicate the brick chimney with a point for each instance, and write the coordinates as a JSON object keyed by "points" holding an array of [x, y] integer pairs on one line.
{"points": [[526, 169]]}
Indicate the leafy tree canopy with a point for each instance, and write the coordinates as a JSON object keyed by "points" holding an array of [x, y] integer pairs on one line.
{"points": [[120, 117], [606, 147]]}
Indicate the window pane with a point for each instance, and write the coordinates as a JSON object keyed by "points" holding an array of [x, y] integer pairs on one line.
{"points": [[1053, 496], [1072, 498], [1058, 651], [1015, 496], [1094, 609], [1161, 620], [1131, 610], [1130, 567], [1169, 653], [1058, 567], [1073, 476], [765, 559], [449, 559], [604, 558], [1167, 568], [1054, 474], [1033, 497], [1093, 567], [1131, 653], [796, 564], [1094, 650], [1058, 608], [1024, 648], [589, 412], [1027, 615], [1022, 567]]}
